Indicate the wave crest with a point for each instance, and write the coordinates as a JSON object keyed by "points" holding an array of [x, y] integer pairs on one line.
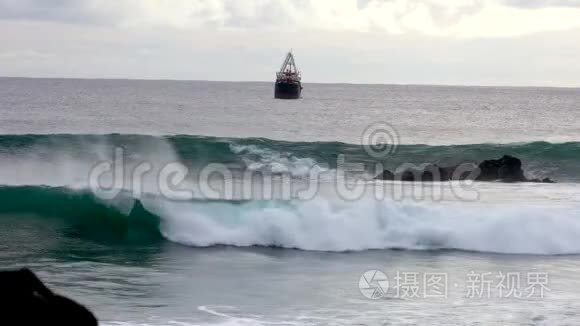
{"points": [[123, 220], [322, 224], [27, 156]]}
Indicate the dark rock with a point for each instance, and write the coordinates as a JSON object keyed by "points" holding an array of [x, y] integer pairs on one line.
{"points": [[428, 172], [545, 180], [386, 175], [465, 171], [505, 169], [488, 170], [25, 300]]}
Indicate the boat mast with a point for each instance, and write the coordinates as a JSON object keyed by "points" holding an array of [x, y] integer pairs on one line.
{"points": [[289, 64]]}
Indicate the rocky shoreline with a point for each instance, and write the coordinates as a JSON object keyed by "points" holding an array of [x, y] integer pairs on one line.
{"points": [[505, 169]]}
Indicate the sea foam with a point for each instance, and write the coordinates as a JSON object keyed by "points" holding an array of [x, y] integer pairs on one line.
{"points": [[331, 225]]}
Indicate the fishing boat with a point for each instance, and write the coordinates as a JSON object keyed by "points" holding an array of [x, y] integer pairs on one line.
{"points": [[288, 80]]}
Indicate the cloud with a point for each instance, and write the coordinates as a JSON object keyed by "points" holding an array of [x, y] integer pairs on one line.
{"points": [[70, 11], [454, 18], [382, 41], [323, 56], [534, 4]]}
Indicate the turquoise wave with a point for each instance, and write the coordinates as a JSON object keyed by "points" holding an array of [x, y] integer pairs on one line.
{"points": [[321, 224], [86, 216], [558, 161]]}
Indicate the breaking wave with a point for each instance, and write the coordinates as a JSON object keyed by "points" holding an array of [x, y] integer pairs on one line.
{"points": [[26, 156], [46, 176], [322, 224], [123, 220]]}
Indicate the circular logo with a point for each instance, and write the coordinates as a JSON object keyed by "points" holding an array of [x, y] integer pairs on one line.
{"points": [[380, 140], [373, 284]]}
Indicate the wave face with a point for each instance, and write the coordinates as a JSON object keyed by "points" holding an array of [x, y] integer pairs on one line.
{"points": [[25, 156], [46, 176], [123, 220], [321, 224]]}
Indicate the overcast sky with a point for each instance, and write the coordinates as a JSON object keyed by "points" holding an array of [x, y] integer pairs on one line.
{"points": [[464, 42]]}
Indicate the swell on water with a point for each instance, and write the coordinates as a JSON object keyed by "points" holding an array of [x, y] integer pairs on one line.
{"points": [[123, 220], [540, 159], [46, 176], [321, 224]]}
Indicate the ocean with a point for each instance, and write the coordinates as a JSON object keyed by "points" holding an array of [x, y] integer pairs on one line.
{"points": [[212, 203]]}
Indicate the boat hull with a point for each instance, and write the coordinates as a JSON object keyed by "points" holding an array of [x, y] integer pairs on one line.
{"points": [[287, 91]]}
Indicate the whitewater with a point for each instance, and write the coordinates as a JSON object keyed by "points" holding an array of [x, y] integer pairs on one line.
{"points": [[439, 219]]}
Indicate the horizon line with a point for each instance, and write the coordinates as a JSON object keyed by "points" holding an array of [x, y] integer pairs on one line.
{"points": [[314, 82]]}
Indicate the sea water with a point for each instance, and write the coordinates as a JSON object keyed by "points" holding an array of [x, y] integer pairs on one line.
{"points": [[248, 210]]}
